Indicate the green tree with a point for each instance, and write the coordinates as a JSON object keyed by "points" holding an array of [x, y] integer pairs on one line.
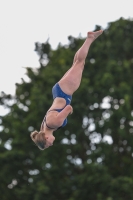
{"points": [[92, 156]]}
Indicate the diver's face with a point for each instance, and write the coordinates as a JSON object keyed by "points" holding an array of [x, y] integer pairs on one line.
{"points": [[49, 140]]}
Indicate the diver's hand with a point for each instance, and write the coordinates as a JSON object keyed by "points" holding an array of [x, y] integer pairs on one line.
{"points": [[64, 113], [71, 111]]}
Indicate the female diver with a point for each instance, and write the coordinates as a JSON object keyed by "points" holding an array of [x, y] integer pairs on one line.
{"points": [[56, 116]]}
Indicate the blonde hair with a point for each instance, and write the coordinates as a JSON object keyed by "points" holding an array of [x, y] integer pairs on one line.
{"points": [[38, 139]]}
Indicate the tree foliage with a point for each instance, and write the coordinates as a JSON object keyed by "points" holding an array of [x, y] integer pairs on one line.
{"points": [[92, 156]]}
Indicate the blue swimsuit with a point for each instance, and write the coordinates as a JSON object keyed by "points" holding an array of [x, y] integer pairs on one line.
{"points": [[57, 92]]}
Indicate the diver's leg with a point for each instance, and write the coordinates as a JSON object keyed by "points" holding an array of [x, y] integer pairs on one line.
{"points": [[70, 82]]}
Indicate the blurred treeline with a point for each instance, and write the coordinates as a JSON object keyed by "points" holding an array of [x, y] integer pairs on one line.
{"points": [[92, 157]]}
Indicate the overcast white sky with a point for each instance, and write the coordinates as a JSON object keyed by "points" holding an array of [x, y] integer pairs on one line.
{"points": [[24, 22]]}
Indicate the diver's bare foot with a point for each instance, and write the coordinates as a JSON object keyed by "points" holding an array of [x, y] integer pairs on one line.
{"points": [[94, 35]]}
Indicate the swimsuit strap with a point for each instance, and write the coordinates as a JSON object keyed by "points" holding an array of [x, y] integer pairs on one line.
{"points": [[46, 122]]}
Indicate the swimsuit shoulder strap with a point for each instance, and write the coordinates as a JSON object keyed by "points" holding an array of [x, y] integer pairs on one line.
{"points": [[45, 119], [47, 124], [58, 110]]}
